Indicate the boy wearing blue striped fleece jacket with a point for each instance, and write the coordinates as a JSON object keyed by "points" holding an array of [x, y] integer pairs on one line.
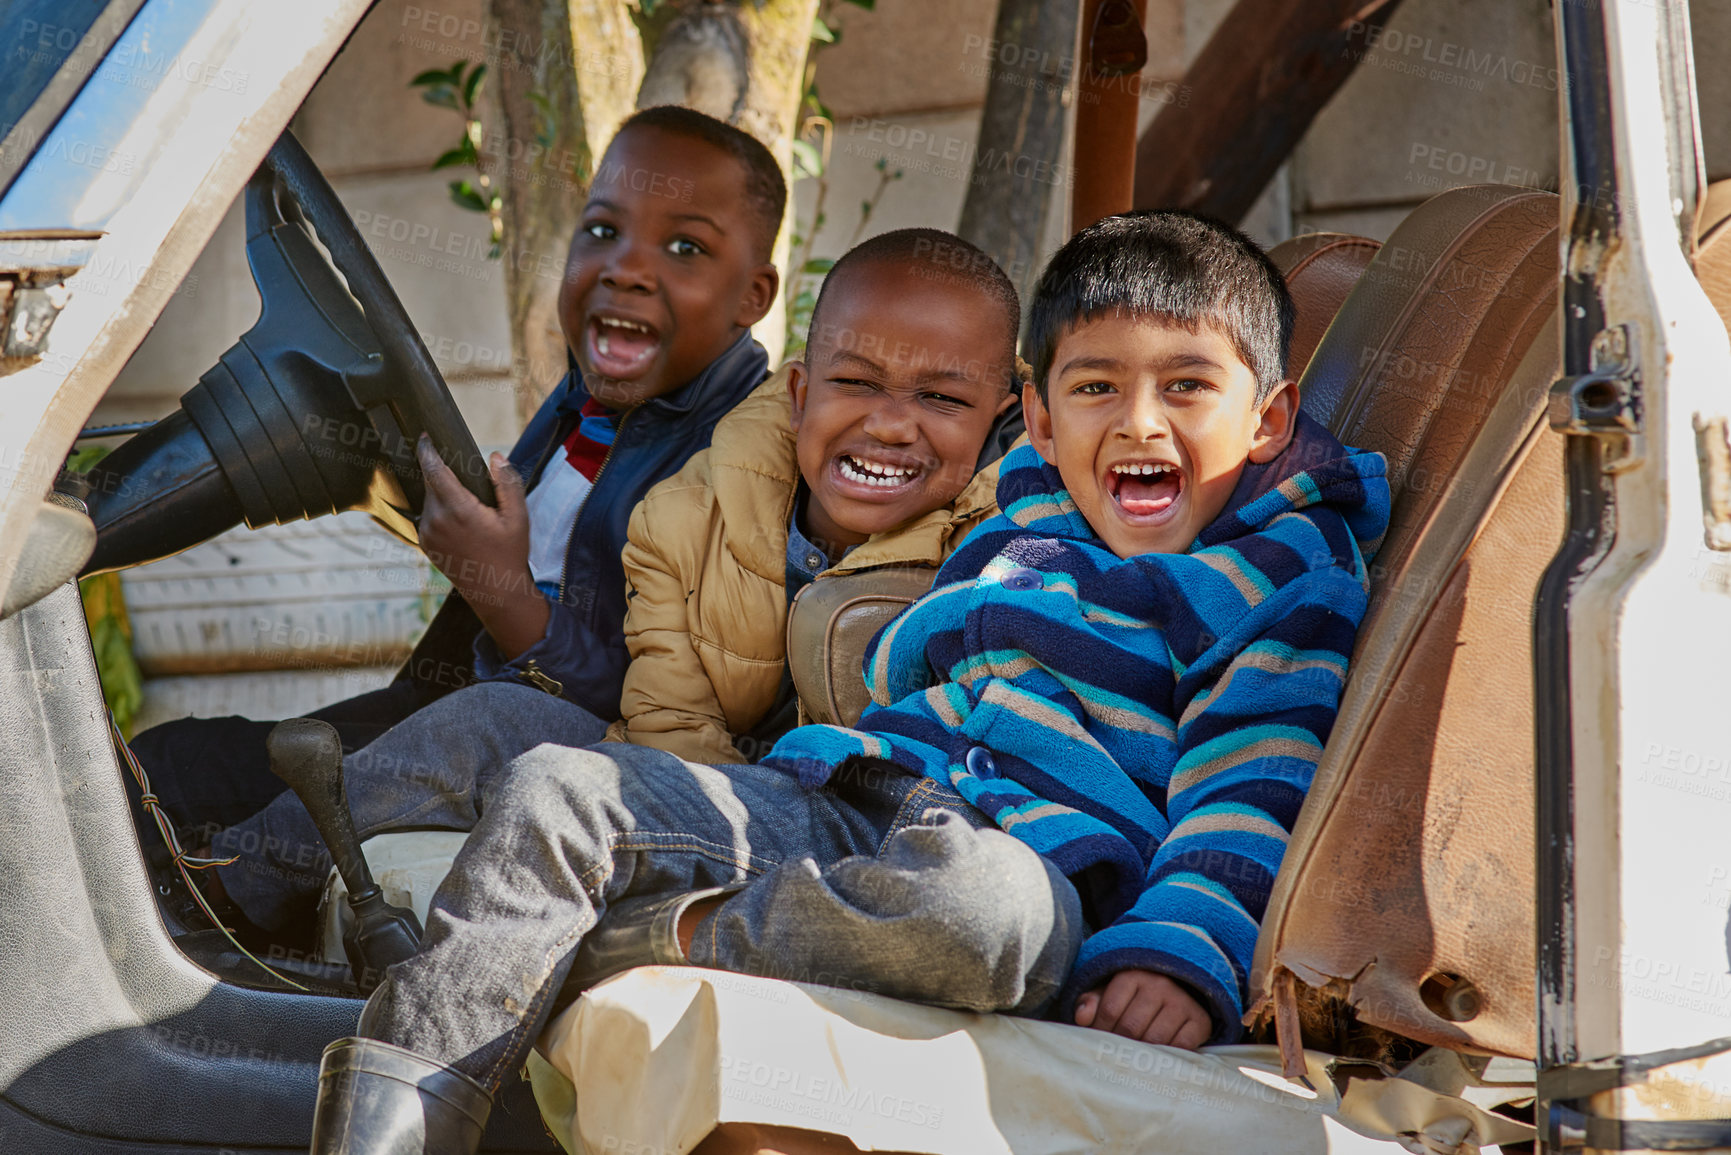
{"points": [[1134, 667], [1087, 747]]}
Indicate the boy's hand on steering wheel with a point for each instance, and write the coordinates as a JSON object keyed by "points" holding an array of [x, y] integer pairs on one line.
{"points": [[484, 551], [1147, 1007]]}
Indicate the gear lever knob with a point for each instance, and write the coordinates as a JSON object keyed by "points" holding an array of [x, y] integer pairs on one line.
{"points": [[307, 755]]}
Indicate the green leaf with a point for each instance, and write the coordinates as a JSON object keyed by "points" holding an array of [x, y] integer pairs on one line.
{"points": [[868, 5], [111, 640], [883, 162], [818, 265], [461, 155], [473, 85], [464, 196], [80, 460], [431, 76], [820, 31], [442, 96], [807, 160]]}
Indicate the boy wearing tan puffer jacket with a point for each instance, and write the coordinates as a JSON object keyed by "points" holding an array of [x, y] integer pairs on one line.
{"points": [[863, 455]]}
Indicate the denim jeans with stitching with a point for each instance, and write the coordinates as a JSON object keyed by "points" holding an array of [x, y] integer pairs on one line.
{"points": [[880, 881], [432, 771]]}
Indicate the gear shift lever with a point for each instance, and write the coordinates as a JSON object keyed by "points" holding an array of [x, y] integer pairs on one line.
{"points": [[308, 755]]}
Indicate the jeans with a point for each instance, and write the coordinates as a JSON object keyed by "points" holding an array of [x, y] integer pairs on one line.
{"points": [[210, 772], [880, 880], [434, 770]]}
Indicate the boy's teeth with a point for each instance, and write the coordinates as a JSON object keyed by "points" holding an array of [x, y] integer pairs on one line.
{"points": [[1143, 468], [872, 473], [629, 342]]}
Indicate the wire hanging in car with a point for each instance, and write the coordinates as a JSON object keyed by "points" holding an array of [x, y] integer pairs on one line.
{"points": [[183, 861]]}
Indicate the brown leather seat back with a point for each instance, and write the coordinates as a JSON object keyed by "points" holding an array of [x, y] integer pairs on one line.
{"points": [[1320, 269], [1713, 247], [828, 628], [1407, 886]]}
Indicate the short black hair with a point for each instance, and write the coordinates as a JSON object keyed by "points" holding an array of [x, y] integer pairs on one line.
{"points": [[936, 255], [765, 187], [1172, 265]]}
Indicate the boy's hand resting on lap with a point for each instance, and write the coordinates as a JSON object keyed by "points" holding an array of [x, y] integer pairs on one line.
{"points": [[1148, 1007], [484, 551]]}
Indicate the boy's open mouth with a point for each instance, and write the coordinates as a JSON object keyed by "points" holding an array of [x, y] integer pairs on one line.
{"points": [[878, 477], [1145, 488], [620, 347]]}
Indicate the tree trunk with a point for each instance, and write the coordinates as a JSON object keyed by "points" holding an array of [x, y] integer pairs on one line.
{"points": [[1016, 164], [738, 62], [744, 64], [580, 62]]}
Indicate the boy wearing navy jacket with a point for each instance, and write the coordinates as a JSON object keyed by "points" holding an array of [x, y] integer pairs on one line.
{"points": [[1087, 747], [669, 268]]}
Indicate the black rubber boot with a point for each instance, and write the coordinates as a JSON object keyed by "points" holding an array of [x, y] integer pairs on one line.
{"points": [[636, 932], [379, 1099]]}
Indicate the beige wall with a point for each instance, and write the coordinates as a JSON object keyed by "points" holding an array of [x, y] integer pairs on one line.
{"points": [[1403, 127], [906, 84], [1451, 92]]}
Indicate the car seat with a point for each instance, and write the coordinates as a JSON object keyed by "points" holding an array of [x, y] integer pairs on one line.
{"points": [[1321, 270], [1407, 885], [1713, 247]]}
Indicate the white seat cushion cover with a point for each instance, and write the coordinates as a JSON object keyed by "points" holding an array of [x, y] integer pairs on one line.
{"points": [[654, 1059]]}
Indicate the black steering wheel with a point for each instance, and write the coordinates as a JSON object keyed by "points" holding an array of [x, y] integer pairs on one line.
{"points": [[315, 410], [410, 386]]}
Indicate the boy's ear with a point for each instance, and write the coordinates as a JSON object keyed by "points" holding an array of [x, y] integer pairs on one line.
{"points": [[759, 296], [1279, 420], [798, 380], [1038, 419]]}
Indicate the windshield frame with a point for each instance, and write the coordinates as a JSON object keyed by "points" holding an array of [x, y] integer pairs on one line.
{"points": [[194, 130]]}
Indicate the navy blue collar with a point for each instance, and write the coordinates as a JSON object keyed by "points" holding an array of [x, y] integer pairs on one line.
{"points": [[1312, 445]]}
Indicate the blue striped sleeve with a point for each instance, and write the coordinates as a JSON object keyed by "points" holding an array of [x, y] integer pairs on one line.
{"points": [[1249, 739]]}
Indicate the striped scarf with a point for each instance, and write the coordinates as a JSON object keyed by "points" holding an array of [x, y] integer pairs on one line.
{"points": [[1148, 724]]}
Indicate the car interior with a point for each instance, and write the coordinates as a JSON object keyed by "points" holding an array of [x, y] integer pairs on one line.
{"points": [[1406, 892]]}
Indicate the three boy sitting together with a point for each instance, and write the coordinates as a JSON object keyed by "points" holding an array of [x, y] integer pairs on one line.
{"points": [[1087, 745]]}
